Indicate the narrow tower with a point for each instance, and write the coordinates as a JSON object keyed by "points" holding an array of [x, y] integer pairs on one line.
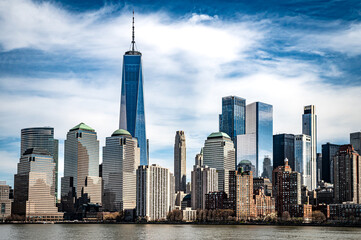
{"points": [[180, 162], [132, 115], [309, 127]]}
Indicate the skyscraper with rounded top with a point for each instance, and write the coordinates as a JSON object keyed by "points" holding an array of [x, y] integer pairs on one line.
{"points": [[132, 115]]}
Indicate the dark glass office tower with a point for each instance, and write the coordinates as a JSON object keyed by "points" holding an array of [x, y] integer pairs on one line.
{"points": [[132, 116], [329, 151], [233, 118], [283, 147], [41, 138]]}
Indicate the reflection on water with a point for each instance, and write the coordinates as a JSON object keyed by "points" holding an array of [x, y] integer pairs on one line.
{"points": [[164, 231]]}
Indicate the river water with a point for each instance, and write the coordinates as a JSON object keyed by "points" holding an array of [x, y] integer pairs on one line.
{"points": [[160, 232]]}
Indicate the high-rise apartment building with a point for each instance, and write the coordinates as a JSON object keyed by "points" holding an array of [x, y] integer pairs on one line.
{"points": [[81, 167], [121, 158], [204, 180], [232, 121], [132, 114], [241, 193], [34, 187], [264, 204], [283, 147], [219, 153], [347, 175], [355, 141], [155, 192], [303, 158], [5, 201], [180, 168], [329, 151], [258, 140], [309, 127], [41, 137], [286, 188]]}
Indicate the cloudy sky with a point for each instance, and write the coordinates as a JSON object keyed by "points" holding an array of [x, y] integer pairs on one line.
{"points": [[60, 64]]}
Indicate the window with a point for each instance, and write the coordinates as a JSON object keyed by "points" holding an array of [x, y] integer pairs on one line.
{"points": [[3, 208]]}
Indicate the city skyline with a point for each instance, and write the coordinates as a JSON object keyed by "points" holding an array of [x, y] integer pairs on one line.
{"points": [[66, 92]]}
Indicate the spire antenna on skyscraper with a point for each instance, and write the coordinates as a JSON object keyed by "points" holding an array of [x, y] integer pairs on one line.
{"points": [[133, 41]]}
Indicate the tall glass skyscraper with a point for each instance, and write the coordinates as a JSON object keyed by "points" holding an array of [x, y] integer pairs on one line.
{"points": [[309, 127], [303, 158], [132, 116], [258, 140], [41, 138], [233, 118]]}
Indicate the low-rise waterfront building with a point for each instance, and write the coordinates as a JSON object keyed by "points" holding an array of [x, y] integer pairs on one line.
{"points": [[5, 201]]}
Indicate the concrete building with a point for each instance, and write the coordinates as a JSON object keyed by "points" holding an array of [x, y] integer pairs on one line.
{"points": [[286, 189], [219, 153], [217, 200], [329, 151], [283, 147], [244, 204], [120, 161], [5, 201], [347, 175], [180, 170], [303, 158], [43, 138], [204, 180], [264, 205], [267, 168], [263, 183], [355, 141], [34, 184], [81, 168], [189, 215], [199, 158], [309, 127], [154, 192], [258, 140]]}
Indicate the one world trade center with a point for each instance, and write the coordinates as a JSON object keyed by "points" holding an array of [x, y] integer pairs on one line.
{"points": [[132, 116]]}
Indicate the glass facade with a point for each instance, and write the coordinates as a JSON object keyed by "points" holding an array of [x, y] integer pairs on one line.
{"points": [[329, 150], [303, 158], [43, 138], [233, 118], [283, 147], [257, 143], [309, 127], [132, 116]]}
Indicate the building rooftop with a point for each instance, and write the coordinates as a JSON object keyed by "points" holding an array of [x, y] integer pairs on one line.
{"points": [[218, 135], [121, 132], [82, 126]]}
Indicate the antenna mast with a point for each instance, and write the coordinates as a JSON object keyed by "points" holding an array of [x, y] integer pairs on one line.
{"points": [[133, 41]]}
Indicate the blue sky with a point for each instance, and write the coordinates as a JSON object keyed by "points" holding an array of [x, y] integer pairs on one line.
{"points": [[60, 64]]}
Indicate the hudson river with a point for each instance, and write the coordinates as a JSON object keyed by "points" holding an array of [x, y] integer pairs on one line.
{"points": [[163, 231]]}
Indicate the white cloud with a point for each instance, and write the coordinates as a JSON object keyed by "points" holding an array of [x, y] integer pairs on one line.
{"points": [[185, 67]]}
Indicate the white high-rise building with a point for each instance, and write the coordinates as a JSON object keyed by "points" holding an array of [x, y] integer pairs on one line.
{"points": [[204, 180], [303, 158], [155, 192], [219, 153], [120, 161], [309, 127]]}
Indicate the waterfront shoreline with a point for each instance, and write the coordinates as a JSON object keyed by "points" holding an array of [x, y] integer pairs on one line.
{"points": [[353, 225]]}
